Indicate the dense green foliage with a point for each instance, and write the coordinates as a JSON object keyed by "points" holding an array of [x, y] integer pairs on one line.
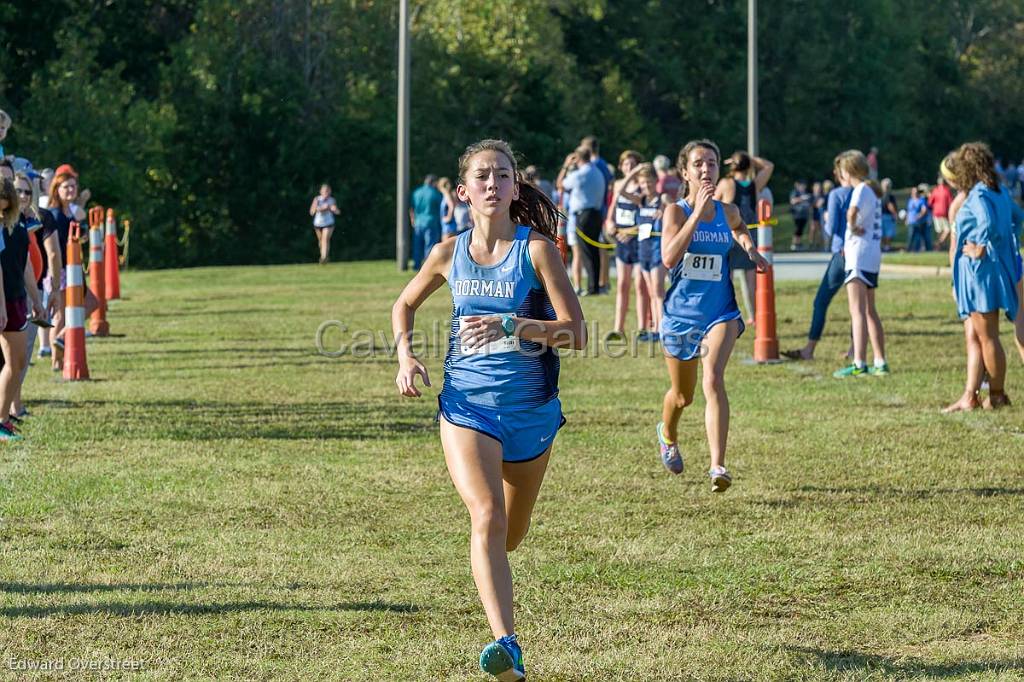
{"points": [[211, 122]]}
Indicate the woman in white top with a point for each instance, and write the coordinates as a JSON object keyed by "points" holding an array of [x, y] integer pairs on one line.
{"points": [[323, 209], [862, 251]]}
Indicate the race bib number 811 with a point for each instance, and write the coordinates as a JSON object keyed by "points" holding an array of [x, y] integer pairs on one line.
{"points": [[509, 344], [704, 266]]}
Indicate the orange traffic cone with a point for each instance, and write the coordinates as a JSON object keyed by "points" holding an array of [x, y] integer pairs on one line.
{"points": [[75, 367], [766, 344], [98, 322], [113, 272]]}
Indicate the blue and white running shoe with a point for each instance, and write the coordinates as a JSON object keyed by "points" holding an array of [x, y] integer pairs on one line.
{"points": [[503, 659], [670, 455]]}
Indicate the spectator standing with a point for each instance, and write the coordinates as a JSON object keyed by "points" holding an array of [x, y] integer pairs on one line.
{"points": [[890, 214], [65, 205], [449, 226], [425, 216], [917, 221], [747, 179], [587, 187], [668, 179], [985, 266], [817, 209], [834, 231], [800, 205], [938, 202], [873, 164], [592, 143]]}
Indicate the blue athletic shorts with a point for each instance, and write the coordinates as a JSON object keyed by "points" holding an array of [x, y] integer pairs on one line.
{"points": [[684, 339], [626, 251], [649, 252], [524, 434]]}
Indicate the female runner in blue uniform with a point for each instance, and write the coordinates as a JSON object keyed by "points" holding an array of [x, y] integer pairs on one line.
{"points": [[499, 407], [701, 319]]}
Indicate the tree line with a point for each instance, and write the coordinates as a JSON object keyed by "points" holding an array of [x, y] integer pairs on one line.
{"points": [[212, 122]]}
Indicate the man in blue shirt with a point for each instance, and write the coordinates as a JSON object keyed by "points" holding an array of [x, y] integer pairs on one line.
{"points": [[834, 230], [587, 187], [591, 143], [425, 215]]}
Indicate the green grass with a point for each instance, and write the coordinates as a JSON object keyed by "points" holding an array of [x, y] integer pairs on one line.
{"points": [[933, 259], [222, 502]]}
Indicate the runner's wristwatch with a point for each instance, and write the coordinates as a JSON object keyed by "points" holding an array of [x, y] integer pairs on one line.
{"points": [[508, 325]]}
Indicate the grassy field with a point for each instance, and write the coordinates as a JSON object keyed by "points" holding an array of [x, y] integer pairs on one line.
{"points": [[222, 502]]}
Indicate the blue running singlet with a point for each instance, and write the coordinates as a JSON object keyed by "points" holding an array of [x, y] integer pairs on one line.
{"points": [[626, 214], [510, 372], [649, 247], [700, 293]]}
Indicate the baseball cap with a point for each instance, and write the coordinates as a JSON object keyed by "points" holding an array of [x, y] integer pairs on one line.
{"points": [[65, 168]]}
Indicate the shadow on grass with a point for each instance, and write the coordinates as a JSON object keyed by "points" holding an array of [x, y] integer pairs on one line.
{"points": [[171, 608], [234, 351], [901, 668], [921, 494], [148, 314], [56, 588], [207, 420]]}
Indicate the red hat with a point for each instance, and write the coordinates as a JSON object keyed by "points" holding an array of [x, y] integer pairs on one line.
{"points": [[65, 168]]}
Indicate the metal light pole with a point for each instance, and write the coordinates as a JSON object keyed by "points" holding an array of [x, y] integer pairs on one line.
{"points": [[752, 132], [402, 179]]}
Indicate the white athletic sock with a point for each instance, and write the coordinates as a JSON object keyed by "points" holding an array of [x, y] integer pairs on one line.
{"points": [[879, 362]]}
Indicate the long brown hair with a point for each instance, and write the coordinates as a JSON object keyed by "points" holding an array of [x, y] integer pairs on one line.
{"points": [[684, 154], [55, 184], [10, 215], [975, 163], [533, 208]]}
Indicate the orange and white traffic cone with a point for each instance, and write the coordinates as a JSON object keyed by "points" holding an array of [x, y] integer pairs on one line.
{"points": [[98, 322], [766, 344], [75, 367], [113, 271]]}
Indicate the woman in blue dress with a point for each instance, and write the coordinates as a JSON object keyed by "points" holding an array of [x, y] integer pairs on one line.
{"points": [[986, 267], [512, 306], [701, 319]]}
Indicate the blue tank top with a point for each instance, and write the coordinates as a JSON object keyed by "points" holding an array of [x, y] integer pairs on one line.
{"points": [[509, 372], [625, 213], [694, 292], [746, 200], [646, 215]]}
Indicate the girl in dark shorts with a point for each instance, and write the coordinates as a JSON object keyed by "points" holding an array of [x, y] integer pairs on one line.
{"points": [[30, 219], [13, 263]]}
